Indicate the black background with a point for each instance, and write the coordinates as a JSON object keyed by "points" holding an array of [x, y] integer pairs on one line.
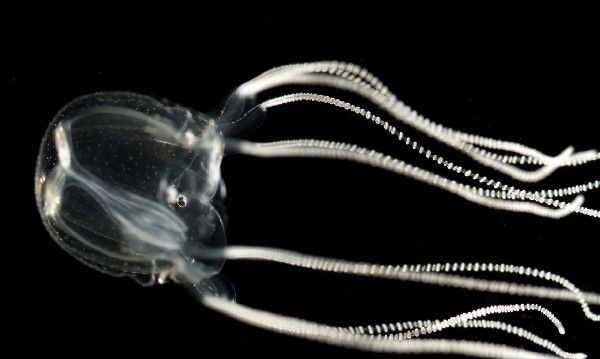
{"points": [[524, 74]]}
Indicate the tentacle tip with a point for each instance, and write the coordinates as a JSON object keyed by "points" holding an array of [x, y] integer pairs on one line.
{"points": [[577, 202], [571, 207], [558, 160]]}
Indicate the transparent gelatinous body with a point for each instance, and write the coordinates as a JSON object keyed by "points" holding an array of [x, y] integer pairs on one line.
{"points": [[127, 184]]}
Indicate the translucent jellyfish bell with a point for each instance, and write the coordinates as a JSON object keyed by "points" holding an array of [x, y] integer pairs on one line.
{"points": [[126, 184], [131, 186]]}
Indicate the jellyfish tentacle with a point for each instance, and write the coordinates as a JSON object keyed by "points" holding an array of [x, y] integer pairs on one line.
{"points": [[556, 203], [411, 143], [321, 74], [333, 335], [567, 191], [397, 331], [512, 201], [336, 150], [525, 334], [410, 117], [436, 273], [361, 76], [484, 312], [404, 114], [576, 159], [245, 95], [353, 73], [350, 72], [343, 70]]}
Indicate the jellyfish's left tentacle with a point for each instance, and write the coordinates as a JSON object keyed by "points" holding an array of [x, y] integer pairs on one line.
{"points": [[328, 149], [411, 143], [430, 273], [354, 79], [335, 336], [415, 329]]}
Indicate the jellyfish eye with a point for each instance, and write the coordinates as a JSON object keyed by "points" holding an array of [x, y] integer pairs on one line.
{"points": [[125, 184], [181, 201]]}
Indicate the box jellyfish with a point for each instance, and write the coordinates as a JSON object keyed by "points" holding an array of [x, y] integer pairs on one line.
{"points": [[130, 185]]}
